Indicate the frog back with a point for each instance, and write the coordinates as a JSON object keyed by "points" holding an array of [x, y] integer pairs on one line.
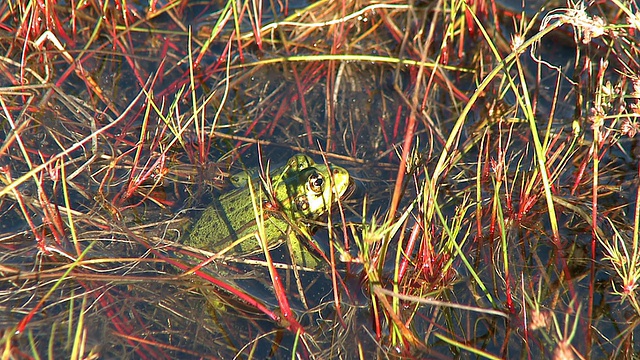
{"points": [[231, 218]]}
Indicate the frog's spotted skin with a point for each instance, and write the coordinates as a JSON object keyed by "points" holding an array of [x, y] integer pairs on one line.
{"points": [[300, 191]]}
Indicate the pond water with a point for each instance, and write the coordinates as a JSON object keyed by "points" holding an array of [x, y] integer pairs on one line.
{"points": [[452, 243]]}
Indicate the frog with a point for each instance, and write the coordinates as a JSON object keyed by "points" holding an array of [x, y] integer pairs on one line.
{"points": [[288, 202]]}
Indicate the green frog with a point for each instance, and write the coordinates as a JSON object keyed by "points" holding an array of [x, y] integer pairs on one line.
{"points": [[287, 202]]}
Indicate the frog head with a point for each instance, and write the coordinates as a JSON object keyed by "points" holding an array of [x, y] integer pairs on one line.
{"points": [[308, 190]]}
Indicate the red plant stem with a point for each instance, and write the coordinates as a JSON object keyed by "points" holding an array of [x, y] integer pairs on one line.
{"points": [[51, 214], [293, 325], [406, 149], [330, 107], [281, 295], [396, 129], [106, 300], [256, 24], [411, 244]]}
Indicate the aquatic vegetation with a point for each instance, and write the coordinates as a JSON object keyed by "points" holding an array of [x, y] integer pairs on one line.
{"points": [[493, 153]]}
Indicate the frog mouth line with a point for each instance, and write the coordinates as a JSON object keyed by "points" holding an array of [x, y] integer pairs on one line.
{"points": [[351, 188]]}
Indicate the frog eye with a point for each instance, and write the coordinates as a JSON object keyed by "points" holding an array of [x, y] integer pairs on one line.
{"points": [[302, 203], [315, 182]]}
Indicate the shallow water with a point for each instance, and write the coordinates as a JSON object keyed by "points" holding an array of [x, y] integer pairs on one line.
{"points": [[137, 175]]}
